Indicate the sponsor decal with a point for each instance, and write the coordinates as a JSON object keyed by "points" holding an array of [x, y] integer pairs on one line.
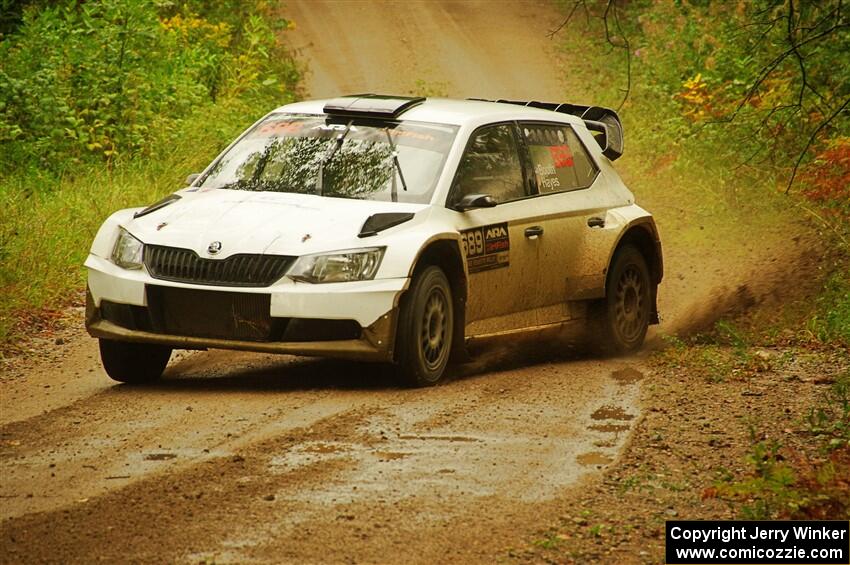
{"points": [[279, 127], [547, 177], [486, 247], [396, 134], [561, 156]]}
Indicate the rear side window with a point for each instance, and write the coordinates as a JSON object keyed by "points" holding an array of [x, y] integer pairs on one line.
{"points": [[559, 160], [491, 165]]}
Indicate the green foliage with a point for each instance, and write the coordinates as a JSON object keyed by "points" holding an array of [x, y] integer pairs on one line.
{"points": [[769, 491], [714, 183], [711, 358], [729, 333], [807, 486], [831, 323], [95, 80], [430, 89], [762, 72], [829, 421], [110, 104]]}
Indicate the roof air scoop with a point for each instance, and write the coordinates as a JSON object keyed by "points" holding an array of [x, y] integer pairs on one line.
{"points": [[371, 105]]}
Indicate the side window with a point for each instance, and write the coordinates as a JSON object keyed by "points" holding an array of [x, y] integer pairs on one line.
{"points": [[559, 160], [491, 166]]}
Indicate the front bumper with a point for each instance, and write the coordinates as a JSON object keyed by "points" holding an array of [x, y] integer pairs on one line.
{"points": [[117, 295]]}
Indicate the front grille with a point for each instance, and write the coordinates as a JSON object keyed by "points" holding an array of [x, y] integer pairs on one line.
{"points": [[209, 313], [184, 265]]}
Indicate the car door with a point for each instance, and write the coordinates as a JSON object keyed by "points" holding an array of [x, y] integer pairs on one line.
{"points": [[567, 179], [502, 259]]}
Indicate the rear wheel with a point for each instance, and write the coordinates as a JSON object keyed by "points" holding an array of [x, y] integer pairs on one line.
{"points": [[133, 362], [424, 334], [622, 319]]}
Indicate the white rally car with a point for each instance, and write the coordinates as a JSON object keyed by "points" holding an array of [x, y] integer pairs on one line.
{"points": [[383, 228]]}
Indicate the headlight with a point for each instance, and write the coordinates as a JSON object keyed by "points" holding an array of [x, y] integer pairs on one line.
{"points": [[128, 250], [340, 266]]}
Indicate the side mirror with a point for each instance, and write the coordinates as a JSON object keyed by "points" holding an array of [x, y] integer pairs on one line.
{"points": [[472, 201], [192, 178]]}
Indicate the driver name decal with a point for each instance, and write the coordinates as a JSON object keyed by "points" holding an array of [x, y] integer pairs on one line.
{"points": [[487, 247]]}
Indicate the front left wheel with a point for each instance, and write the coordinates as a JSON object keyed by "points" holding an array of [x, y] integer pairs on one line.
{"points": [[425, 329], [134, 363]]}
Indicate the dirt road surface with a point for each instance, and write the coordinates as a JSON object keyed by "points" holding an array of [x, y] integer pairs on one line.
{"points": [[238, 457]]}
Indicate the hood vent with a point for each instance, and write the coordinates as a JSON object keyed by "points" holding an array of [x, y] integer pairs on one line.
{"points": [[380, 222]]}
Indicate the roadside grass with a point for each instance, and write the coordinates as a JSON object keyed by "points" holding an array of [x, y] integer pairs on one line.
{"points": [[47, 225], [829, 421], [831, 321], [108, 106], [431, 89]]}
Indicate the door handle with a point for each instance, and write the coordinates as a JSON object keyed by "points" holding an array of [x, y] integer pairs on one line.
{"points": [[595, 222], [533, 232]]}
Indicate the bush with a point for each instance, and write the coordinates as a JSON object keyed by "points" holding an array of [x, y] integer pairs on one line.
{"points": [[108, 104], [97, 80]]}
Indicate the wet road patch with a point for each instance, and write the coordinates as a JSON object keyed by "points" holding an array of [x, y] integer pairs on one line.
{"points": [[594, 458], [160, 456], [626, 376], [609, 412]]}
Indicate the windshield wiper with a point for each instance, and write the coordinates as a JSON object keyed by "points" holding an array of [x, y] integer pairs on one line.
{"points": [[394, 186], [320, 179]]}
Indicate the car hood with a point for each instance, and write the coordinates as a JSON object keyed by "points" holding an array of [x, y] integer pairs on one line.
{"points": [[260, 222]]}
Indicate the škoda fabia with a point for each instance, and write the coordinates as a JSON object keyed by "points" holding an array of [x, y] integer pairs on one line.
{"points": [[383, 228]]}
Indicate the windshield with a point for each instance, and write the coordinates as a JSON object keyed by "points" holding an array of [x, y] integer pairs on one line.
{"points": [[285, 153]]}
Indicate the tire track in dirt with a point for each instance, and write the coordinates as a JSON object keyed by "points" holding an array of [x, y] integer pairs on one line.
{"points": [[368, 470]]}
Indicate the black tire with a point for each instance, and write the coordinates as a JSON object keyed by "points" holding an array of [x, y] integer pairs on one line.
{"points": [[619, 322], [425, 328], [133, 362]]}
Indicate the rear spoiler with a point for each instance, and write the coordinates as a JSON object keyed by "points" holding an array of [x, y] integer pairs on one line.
{"points": [[602, 120]]}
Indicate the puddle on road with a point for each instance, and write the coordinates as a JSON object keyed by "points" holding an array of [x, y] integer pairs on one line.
{"points": [[609, 412], [160, 456], [626, 376], [519, 466], [524, 448], [594, 458]]}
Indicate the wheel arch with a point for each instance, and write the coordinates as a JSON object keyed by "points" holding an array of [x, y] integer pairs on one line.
{"points": [[444, 252], [643, 235]]}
